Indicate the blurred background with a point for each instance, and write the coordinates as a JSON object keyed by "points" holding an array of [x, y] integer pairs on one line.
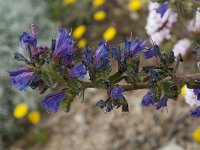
{"points": [[24, 124]]}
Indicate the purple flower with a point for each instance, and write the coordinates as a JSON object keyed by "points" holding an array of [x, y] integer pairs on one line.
{"points": [[131, 48], [28, 38], [42, 49], [117, 93], [88, 57], [149, 53], [136, 46], [64, 47], [52, 101], [148, 99], [154, 51], [116, 54], [39, 51], [162, 102], [197, 93], [103, 64], [78, 71], [21, 77], [96, 60], [120, 55], [101, 52], [162, 9], [195, 113]]}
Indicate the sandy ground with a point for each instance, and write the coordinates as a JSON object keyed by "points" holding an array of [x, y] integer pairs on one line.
{"points": [[88, 128]]}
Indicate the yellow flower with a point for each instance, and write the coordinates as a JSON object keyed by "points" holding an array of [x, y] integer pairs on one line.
{"points": [[196, 135], [82, 43], [79, 31], [135, 5], [183, 90], [20, 110], [34, 117], [98, 3], [66, 2], [99, 15], [110, 33]]}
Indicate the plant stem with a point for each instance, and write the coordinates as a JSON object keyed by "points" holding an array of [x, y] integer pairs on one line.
{"points": [[181, 80], [186, 78], [135, 87]]}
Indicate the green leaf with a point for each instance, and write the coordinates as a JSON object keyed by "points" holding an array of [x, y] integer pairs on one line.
{"points": [[82, 95], [74, 85], [170, 89], [133, 65], [158, 92], [193, 85], [47, 78], [66, 105], [115, 78], [103, 73], [146, 79], [101, 83]]}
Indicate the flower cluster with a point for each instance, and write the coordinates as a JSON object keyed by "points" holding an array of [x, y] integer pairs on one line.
{"points": [[59, 67], [159, 22]]}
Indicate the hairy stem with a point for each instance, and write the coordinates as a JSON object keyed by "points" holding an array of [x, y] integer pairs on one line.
{"points": [[181, 80], [186, 78], [135, 87]]}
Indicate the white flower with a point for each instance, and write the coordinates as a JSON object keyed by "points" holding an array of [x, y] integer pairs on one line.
{"points": [[194, 24], [159, 27], [191, 98], [182, 47], [161, 35]]}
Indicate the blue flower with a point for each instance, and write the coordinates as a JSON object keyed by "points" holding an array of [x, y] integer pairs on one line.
{"points": [[88, 57], [132, 47], [96, 60], [162, 9], [101, 52], [154, 51], [197, 93], [52, 101], [103, 64], [28, 39], [162, 102], [136, 46], [148, 99], [21, 77], [116, 54], [117, 93], [40, 50], [120, 56], [64, 47], [195, 113], [101, 59], [149, 53], [78, 71]]}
